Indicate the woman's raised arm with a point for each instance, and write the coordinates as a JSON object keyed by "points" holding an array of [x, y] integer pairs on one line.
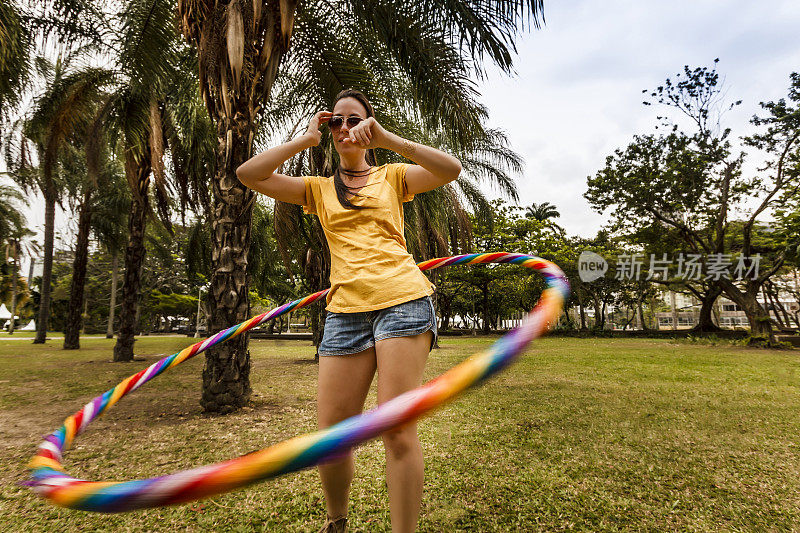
{"points": [[258, 172], [434, 168]]}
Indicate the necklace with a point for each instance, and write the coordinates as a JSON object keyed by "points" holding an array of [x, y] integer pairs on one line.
{"points": [[357, 175]]}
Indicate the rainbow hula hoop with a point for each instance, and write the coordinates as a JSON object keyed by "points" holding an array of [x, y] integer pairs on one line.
{"points": [[49, 479]]}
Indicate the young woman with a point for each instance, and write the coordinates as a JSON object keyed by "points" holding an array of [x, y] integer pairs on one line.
{"points": [[380, 315]]}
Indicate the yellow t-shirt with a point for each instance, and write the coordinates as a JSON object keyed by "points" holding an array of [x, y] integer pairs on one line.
{"points": [[371, 267]]}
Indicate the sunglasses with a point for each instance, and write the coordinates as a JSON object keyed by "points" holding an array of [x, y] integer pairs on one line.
{"points": [[336, 121]]}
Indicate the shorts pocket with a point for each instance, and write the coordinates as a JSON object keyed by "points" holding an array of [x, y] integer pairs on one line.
{"points": [[406, 319]]}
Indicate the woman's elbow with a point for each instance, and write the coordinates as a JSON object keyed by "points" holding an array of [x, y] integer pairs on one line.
{"points": [[457, 168], [241, 173]]}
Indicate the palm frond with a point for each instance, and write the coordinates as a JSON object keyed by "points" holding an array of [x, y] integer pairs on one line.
{"points": [[148, 44]]}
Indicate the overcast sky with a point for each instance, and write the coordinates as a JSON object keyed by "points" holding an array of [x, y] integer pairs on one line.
{"points": [[577, 93]]}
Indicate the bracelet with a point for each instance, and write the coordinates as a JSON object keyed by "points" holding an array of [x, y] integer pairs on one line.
{"points": [[408, 149]]}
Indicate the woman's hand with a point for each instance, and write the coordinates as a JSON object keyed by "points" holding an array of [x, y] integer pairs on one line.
{"points": [[313, 131], [368, 134]]}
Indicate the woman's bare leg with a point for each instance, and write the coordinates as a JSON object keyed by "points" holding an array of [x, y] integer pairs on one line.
{"points": [[342, 388], [401, 362]]}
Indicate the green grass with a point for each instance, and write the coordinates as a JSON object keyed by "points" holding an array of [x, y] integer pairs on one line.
{"points": [[50, 335], [580, 434]]}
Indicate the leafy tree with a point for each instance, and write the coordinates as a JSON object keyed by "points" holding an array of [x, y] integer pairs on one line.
{"points": [[23, 26], [657, 242], [602, 292], [689, 182], [500, 291], [169, 306], [788, 235]]}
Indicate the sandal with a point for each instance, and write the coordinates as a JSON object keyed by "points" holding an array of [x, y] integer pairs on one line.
{"points": [[335, 525]]}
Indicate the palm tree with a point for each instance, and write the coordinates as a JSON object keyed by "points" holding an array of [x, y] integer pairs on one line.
{"points": [[241, 47], [21, 27], [11, 218], [102, 200], [59, 113], [12, 227], [542, 212], [24, 24], [17, 242], [438, 223], [109, 228], [15, 46], [152, 111]]}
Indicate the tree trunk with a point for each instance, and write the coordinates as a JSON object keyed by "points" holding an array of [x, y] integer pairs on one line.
{"points": [[199, 307], [775, 298], [629, 318], [445, 310], [314, 326], [640, 310], [760, 324], [112, 305], [705, 322], [583, 316], [137, 322], [47, 265], [581, 308], [30, 272], [72, 330], [761, 331], [599, 319], [226, 375], [85, 315], [568, 319], [14, 275], [318, 316], [770, 303], [131, 285], [485, 290]]}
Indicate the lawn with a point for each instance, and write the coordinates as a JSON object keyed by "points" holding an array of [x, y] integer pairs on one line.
{"points": [[580, 434]]}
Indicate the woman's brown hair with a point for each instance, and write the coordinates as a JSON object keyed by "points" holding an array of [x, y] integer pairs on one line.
{"points": [[341, 188]]}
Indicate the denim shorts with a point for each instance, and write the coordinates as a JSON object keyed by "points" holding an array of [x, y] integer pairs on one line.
{"points": [[349, 333]]}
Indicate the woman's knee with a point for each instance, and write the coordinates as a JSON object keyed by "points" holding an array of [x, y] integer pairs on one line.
{"points": [[401, 442], [327, 417]]}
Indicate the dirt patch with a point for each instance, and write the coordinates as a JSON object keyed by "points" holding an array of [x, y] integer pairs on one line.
{"points": [[20, 431]]}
